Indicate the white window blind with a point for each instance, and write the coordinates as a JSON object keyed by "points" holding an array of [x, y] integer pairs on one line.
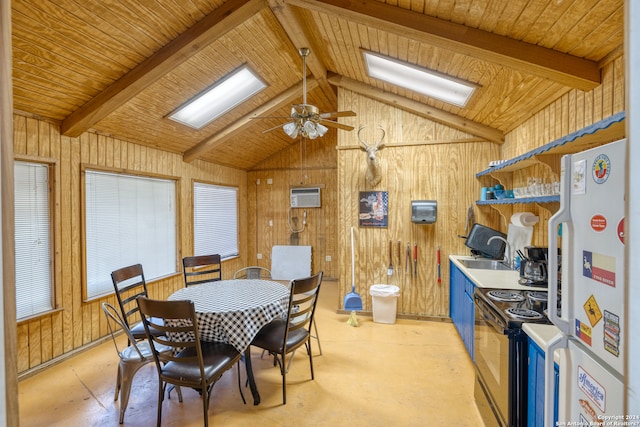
{"points": [[129, 220], [215, 220], [34, 285]]}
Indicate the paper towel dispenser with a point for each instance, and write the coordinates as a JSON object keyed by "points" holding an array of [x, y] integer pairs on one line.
{"points": [[424, 211]]}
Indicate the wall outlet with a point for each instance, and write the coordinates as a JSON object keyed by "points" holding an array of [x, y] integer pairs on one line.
{"points": [[259, 256], [270, 223], [269, 181], [328, 258]]}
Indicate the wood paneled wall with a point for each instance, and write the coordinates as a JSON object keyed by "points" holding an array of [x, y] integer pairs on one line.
{"points": [[76, 323], [421, 160], [305, 163]]}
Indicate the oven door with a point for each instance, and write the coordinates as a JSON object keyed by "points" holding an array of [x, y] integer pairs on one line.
{"points": [[491, 352]]}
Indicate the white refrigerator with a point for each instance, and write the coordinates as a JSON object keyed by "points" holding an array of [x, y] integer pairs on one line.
{"points": [[590, 227]]}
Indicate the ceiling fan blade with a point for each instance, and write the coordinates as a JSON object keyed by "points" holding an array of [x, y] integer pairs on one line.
{"points": [[271, 117], [337, 114], [332, 124], [273, 128]]}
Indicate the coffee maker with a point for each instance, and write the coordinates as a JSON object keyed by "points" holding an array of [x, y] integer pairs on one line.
{"points": [[533, 268]]}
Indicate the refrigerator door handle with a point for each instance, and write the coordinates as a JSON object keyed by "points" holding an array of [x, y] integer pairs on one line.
{"points": [[563, 216], [557, 342]]}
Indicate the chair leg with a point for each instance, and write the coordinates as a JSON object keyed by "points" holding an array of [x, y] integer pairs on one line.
{"points": [[308, 345], [283, 371], [206, 392], [118, 383], [126, 373], [161, 389], [317, 337], [179, 391], [290, 360]]}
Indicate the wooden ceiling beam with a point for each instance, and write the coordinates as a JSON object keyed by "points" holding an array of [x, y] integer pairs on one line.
{"points": [[290, 24], [525, 57], [414, 107], [285, 98], [225, 18]]}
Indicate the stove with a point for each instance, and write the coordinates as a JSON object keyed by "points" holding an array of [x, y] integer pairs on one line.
{"points": [[500, 352], [515, 307], [525, 314]]}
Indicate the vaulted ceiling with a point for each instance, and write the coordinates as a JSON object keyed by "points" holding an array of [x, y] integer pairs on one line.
{"points": [[120, 67]]}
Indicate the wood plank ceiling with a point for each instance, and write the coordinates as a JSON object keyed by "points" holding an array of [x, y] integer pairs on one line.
{"points": [[120, 68]]}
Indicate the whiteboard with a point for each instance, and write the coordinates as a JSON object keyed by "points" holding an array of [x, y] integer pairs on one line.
{"points": [[290, 262]]}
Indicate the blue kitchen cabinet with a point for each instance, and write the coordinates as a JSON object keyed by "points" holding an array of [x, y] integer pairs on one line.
{"points": [[461, 306], [535, 392]]}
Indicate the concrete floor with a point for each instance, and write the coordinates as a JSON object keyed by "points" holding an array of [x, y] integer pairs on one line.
{"points": [[412, 373]]}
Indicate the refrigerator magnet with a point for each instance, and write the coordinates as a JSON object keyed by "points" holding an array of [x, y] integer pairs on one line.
{"points": [[578, 181]]}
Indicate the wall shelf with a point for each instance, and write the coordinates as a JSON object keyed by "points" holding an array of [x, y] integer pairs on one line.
{"points": [[536, 199], [604, 131]]}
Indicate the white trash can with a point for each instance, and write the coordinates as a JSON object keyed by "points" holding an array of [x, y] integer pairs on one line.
{"points": [[385, 302]]}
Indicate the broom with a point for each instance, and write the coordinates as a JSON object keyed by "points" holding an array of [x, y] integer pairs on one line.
{"points": [[352, 300]]}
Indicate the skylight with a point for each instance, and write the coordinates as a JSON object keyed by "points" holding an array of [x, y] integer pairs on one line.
{"points": [[418, 79], [218, 99]]}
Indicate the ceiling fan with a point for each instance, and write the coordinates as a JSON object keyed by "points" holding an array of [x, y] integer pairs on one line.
{"points": [[306, 119]]}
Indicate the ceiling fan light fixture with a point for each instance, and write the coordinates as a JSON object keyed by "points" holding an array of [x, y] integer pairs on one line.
{"points": [[291, 129], [418, 79], [321, 129], [310, 129], [224, 95]]}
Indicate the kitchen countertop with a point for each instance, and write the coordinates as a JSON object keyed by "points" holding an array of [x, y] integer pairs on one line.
{"points": [[494, 279], [505, 279], [540, 334]]}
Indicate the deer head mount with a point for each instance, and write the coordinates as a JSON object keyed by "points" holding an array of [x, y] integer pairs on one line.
{"points": [[374, 174]]}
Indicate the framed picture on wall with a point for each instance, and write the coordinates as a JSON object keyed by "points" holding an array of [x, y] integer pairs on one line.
{"points": [[373, 209]]}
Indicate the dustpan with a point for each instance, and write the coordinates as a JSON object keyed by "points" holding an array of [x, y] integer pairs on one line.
{"points": [[352, 301]]}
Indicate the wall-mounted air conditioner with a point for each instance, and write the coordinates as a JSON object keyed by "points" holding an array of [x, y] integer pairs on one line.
{"points": [[306, 197]]}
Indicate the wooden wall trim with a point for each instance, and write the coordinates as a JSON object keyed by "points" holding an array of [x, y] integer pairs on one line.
{"points": [[10, 381]]}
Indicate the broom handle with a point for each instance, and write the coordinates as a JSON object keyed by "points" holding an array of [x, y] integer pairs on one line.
{"points": [[353, 267]]}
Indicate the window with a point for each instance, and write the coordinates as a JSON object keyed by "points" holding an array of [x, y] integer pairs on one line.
{"points": [[225, 95], [215, 220], [418, 79], [129, 220], [34, 284]]}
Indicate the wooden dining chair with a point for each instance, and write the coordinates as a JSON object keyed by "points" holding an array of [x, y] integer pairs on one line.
{"points": [[129, 284], [283, 336], [252, 273], [201, 269], [191, 363], [132, 357]]}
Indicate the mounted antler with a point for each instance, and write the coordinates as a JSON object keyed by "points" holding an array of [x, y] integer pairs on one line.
{"points": [[374, 174]]}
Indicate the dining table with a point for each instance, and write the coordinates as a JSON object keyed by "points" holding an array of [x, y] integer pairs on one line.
{"points": [[233, 311]]}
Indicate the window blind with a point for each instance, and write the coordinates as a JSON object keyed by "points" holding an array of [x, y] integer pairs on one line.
{"points": [[129, 220], [34, 286], [215, 220]]}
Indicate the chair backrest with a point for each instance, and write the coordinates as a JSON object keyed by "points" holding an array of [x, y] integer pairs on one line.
{"points": [[129, 284], [115, 323], [303, 298], [201, 269], [253, 273], [177, 319]]}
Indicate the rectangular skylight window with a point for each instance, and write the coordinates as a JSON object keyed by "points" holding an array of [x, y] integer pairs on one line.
{"points": [[422, 80], [218, 99]]}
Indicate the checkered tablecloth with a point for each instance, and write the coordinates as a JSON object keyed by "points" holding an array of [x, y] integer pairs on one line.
{"points": [[233, 311]]}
